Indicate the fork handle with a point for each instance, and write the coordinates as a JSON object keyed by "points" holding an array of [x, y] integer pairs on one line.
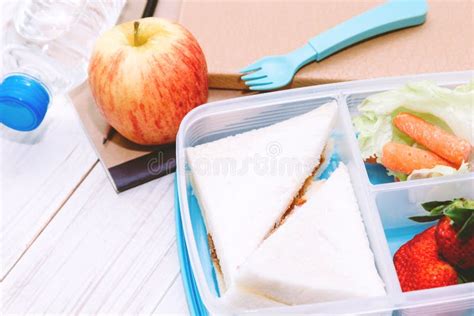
{"points": [[390, 16]]}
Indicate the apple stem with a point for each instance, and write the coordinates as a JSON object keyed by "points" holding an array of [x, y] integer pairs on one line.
{"points": [[136, 25]]}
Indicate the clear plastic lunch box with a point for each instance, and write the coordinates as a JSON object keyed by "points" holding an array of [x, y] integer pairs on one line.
{"points": [[385, 207]]}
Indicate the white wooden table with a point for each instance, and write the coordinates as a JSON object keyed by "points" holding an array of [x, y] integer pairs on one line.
{"points": [[69, 243]]}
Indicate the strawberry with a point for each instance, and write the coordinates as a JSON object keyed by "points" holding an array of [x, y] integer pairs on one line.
{"points": [[457, 251], [419, 265], [454, 231]]}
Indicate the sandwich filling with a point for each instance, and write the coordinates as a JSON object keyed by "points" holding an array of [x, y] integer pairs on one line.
{"points": [[215, 259], [298, 200]]}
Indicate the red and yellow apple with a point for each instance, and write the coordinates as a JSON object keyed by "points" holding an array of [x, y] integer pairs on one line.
{"points": [[145, 76]]}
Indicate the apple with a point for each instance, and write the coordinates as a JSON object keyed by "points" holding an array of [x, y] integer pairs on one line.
{"points": [[145, 75]]}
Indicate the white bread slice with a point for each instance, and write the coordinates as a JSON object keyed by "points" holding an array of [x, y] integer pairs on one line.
{"points": [[267, 168], [240, 300], [320, 253]]}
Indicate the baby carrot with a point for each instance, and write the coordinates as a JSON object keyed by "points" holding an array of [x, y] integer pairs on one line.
{"points": [[403, 158], [448, 146]]}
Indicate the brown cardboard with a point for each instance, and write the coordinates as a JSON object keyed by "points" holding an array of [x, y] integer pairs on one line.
{"points": [[235, 33]]}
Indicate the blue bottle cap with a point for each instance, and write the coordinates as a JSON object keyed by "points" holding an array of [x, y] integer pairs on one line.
{"points": [[24, 101]]}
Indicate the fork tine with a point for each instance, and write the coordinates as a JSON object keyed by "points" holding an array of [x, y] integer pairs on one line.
{"points": [[258, 82], [270, 86], [253, 76], [252, 67]]}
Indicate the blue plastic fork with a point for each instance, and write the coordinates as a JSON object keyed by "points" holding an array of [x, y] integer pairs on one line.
{"points": [[274, 72]]}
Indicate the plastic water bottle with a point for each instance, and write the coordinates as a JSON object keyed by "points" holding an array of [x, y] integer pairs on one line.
{"points": [[47, 50]]}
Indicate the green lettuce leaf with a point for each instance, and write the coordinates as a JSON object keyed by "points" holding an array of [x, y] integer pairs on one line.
{"points": [[450, 109]]}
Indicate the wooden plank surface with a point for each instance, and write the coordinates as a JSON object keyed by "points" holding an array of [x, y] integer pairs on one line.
{"points": [[103, 253], [174, 302], [39, 170]]}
